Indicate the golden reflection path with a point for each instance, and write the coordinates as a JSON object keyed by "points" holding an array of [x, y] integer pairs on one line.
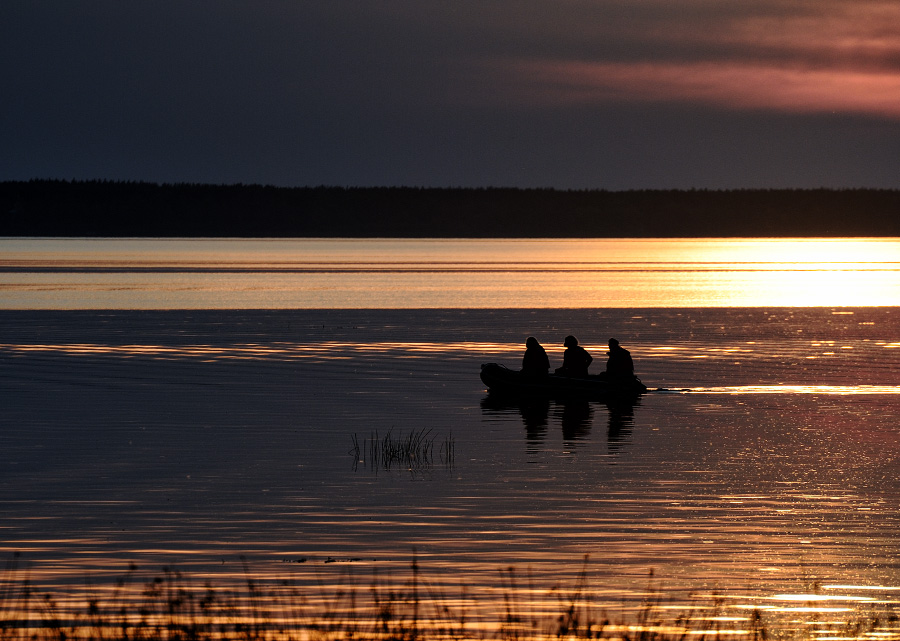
{"points": [[285, 349], [447, 273]]}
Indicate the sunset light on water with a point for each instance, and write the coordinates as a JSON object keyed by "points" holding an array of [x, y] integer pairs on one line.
{"points": [[237, 388], [417, 274]]}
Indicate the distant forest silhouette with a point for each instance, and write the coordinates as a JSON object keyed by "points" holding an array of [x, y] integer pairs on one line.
{"points": [[105, 208]]}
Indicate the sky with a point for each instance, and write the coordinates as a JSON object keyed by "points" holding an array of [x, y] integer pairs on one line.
{"points": [[569, 94]]}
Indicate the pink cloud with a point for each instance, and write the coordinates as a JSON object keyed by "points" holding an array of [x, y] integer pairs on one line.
{"points": [[734, 85], [864, 32], [799, 56]]}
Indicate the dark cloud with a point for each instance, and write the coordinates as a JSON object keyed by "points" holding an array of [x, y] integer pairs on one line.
{"points": [[573, 93]]}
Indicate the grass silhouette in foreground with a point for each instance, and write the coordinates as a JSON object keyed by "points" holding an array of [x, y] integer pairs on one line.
{"points": [[170, 608]]}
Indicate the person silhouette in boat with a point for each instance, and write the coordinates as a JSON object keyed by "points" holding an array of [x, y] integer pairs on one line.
{"points": [[535, 361], [576, 360], [619, 365]]}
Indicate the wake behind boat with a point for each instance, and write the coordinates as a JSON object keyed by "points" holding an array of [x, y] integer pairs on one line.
{"points": [[502, 380]]}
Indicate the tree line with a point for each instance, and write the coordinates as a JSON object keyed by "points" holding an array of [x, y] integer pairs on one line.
{"points": [[142, 209]]}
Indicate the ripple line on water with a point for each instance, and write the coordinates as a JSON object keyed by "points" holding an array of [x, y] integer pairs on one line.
{"points": [[833, 390]]}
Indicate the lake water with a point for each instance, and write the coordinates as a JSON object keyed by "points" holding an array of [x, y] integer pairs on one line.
{"points": [[196, 403], [419, 274]]}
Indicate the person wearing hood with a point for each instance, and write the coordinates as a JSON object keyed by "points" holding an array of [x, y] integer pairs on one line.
{"points": [[619, 364], [535, 361]]}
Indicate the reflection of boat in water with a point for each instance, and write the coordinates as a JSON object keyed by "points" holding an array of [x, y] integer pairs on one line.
{"points": [[575, 415], [502, 380], [534, 412]]}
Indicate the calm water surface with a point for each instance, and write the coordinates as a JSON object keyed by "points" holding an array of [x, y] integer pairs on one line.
{"points": [[766, 471], [391, 274]]}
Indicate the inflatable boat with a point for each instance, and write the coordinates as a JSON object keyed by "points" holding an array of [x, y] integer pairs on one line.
{"points": [[502, 380]]}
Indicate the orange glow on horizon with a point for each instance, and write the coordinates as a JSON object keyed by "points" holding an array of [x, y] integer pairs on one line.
{"points": [[454, 273]]}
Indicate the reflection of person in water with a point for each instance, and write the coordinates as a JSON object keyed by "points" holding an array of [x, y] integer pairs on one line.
{"points": [[535, 414], [535, 361], [534, 411], [577, 418], [619, 364], [621, 423], [576, 360]]}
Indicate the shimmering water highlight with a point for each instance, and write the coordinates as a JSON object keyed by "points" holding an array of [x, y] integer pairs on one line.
{"points": [[446, 273]]}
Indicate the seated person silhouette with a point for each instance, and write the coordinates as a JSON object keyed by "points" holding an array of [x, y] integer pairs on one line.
{"points": [[619, 365], [576, 360], [535, 361]]}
